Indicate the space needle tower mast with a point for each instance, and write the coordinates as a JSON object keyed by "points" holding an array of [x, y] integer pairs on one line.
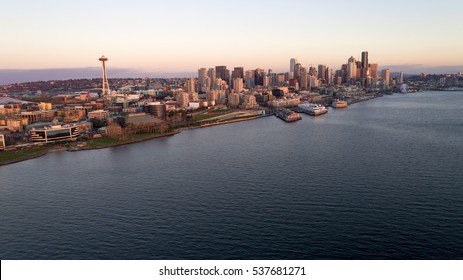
{"points": [[105, 88]]}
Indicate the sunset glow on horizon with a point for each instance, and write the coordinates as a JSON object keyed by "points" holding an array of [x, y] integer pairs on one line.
{"points": [[184, 36]]}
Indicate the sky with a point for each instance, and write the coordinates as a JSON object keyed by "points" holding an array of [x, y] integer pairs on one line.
{"points": [[182, 36]]}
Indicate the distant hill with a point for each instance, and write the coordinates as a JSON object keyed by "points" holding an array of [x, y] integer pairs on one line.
{"points": [[11, 76]]}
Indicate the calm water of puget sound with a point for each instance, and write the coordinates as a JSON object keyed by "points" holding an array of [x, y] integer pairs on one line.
{"points": [[381, 179]]}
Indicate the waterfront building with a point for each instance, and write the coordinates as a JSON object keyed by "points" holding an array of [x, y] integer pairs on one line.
{"points": [[233, 100], [202, 74], [282, 103], [238, 85], [386, 76], [156, 109], [141, 123], [54, 133]]}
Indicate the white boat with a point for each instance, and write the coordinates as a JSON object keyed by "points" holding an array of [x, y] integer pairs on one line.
{"points": [[313, 109]]}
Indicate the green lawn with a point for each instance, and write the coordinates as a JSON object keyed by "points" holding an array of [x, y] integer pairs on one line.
{"points": [[6, 157], [104, 142], [214, 113]]}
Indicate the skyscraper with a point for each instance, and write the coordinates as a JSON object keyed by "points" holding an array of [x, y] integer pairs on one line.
{"points": [[365, 71], [321, 72], [386, 76], [238, 72], [202, 74], [364, 60], [212, 75], [221, 72], [259, 76], [329, 76], [297, 72], [351, 69], [374, 71], [190, 85], [304, 78], [292, 64]]}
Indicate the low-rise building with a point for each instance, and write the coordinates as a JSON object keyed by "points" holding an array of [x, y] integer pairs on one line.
{"points": [[282, 103], [249, 102], [54, 133], [141, 123], [98, 114]]}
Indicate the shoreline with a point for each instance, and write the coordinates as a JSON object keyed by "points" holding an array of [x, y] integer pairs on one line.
{"points": [[176, 131], [125, 143]]}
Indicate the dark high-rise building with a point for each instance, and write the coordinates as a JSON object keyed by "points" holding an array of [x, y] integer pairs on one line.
{"points": [[321, 72], [238, 72], [259, 76], [297, 71], [221, 72], [364, 60], [329, 76]]}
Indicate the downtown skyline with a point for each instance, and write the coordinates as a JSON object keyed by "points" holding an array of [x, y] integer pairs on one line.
{"points": [[180, 36]]}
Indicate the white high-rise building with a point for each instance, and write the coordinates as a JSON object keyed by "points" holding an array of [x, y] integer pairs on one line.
{"points": [[351, 68]]}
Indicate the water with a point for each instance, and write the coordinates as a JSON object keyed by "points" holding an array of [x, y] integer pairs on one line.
{"points": [[380, 179]]}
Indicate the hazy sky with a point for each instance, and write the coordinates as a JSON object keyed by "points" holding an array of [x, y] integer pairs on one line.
{"points": [[177, 35]]}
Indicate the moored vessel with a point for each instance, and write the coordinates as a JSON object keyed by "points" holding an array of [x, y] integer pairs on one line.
{"points": [[339, 103], [313, 109]]}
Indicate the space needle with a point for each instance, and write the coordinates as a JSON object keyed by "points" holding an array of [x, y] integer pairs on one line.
{"points": [[105, 88]]}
